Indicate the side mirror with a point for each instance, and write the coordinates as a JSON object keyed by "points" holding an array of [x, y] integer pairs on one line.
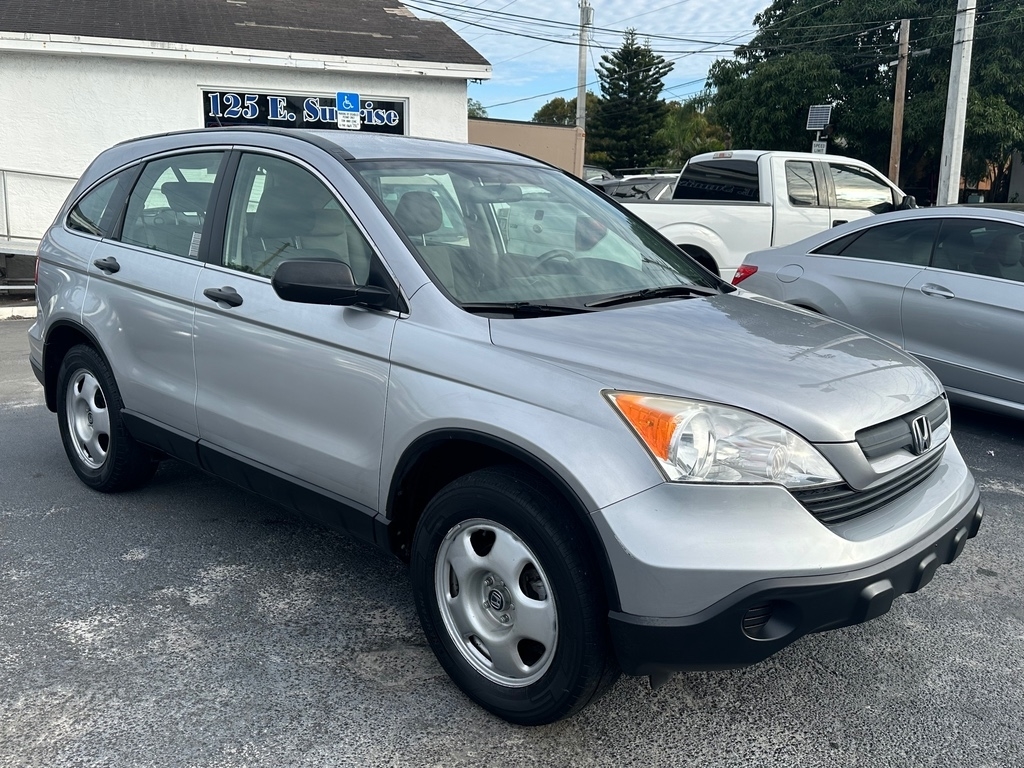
{"points": [[908, 202], [324, 282]]}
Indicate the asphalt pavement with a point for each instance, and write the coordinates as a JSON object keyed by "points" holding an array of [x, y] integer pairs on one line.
{"points": [[192, 624]]}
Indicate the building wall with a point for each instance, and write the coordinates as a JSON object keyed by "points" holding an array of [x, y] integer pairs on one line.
{"points": [[57, 112], [560, 145]]}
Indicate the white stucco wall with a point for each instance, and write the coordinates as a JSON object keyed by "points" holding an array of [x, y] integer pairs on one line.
{"points": [[57, 112]]}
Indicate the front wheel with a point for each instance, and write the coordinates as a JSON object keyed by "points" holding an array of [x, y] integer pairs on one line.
{"points": [[509, 598], [102, 452]]}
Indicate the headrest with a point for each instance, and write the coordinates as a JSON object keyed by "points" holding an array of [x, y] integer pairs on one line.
{"points": [[187, 196], [329, 222], [958, 237], [418, 213], [282, 213], [1006, 248]]}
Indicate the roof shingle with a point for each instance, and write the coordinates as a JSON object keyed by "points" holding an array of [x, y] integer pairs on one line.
{"points": [[377, 29]]}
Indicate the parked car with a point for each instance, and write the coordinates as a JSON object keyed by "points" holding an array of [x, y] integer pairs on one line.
{"points": [[945, 284], [726, 204], [595, 455]]}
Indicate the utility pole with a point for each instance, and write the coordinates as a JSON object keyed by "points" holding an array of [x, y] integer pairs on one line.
{"points": [[956, 105], [586, 20], [896, 146]]}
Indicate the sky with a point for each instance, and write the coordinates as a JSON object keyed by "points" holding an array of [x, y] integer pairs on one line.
{"points": [[533, 44]]}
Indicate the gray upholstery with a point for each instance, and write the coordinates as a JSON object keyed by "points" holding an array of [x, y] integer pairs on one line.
{"points": [[187, 196], [418, 213]]}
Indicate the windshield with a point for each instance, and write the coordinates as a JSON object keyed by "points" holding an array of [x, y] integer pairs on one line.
{"points": [[492, 233]]}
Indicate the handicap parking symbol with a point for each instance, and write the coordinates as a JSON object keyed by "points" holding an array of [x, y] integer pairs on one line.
{"points": [[347, 105]]}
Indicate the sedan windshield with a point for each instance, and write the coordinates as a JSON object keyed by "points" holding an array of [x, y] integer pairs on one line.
{"points": [[496, 236]]}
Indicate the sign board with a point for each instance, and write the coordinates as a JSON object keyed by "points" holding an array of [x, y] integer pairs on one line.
{"points": [[360, 113], [347, 105], [819, 147]]}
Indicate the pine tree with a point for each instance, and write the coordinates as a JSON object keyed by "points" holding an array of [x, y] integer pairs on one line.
{"points": [[631, 111]]}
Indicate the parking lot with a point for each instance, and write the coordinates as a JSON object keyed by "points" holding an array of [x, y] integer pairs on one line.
{"points": [[191, 624]]}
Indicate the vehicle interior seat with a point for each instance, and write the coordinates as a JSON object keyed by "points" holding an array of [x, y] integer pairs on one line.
{"points": [[283, 218], [1003, 253], [955, 250], [174, 229], [418, 214]]}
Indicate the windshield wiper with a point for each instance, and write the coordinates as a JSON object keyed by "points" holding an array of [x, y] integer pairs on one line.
{"points": [[521, 308], [662, 292]]}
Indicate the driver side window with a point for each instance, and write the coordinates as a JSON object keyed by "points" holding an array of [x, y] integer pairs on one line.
{"points": [[280, 211]]}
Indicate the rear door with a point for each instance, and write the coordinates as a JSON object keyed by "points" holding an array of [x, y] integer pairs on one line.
{"points": [[141, 283], [296, 390], [859, 279], [800, 201], [964, 315]]}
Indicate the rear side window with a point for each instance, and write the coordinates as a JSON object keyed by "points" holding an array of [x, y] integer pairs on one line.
{"points": [[167, 209], [979, 247], [801, 186], [734, 180], [903, 242], [97, 212]]}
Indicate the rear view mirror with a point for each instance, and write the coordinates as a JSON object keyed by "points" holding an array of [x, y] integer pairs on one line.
{"points": [[589, 232], [908, 202], [496, 193]]}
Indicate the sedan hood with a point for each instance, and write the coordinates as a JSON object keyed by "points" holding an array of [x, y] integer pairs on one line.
{"points": [[822, 379]]}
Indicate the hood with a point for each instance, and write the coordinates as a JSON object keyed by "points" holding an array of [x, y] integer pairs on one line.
{"points": [[822, 379]]}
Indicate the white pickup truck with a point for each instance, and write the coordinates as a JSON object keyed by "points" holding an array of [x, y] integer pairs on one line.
{"points": [[727, 204]]}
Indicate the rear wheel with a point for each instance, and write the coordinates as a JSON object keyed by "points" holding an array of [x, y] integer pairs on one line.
{"points": [[102, 453], [509, 597]]}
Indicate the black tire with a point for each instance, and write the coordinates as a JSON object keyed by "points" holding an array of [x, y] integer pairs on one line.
{"points": [[101, 451], [526, 515]]}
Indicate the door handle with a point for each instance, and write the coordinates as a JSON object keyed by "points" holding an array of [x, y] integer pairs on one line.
{"points": [[227, 294], [837, 222], [931, 289], [108, 265]]}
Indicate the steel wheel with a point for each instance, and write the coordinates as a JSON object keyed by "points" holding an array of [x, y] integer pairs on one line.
{"points": [[102, 451], [496, 602], [88, 420], [510, 598]]}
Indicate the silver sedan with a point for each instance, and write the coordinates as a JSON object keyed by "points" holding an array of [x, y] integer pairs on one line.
{"points": [[945, 284]]}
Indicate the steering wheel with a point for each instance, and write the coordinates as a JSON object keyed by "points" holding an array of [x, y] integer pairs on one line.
{"points": [[556, 253]]}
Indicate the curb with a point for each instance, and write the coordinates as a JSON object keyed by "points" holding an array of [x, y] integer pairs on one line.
{"points": [[17, 313]]}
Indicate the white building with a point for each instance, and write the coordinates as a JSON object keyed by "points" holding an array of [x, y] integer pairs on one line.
{"points": [[78, 77]]}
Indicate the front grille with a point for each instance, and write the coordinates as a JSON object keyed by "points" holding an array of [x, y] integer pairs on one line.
{"points": [[839, 503], [890, 436]]}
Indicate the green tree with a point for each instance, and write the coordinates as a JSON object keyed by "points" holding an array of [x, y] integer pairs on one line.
{"points": [[475, 108], [625, 125], [560, 111], [807, 52], [689, 129]]}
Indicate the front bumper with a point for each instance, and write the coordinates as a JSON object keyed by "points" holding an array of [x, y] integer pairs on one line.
{"points": [[756, 621]]}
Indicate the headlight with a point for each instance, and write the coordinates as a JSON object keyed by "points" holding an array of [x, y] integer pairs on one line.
{"points": [[700, 442]]}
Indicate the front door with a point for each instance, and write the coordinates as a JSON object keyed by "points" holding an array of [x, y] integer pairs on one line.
{"points": [[297, 389], [964, 315]]}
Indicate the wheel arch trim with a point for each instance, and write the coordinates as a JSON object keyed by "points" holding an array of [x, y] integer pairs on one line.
{"points": [[426, 443]]}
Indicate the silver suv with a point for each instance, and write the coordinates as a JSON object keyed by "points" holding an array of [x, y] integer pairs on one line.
{"points": [[595, 456]]}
